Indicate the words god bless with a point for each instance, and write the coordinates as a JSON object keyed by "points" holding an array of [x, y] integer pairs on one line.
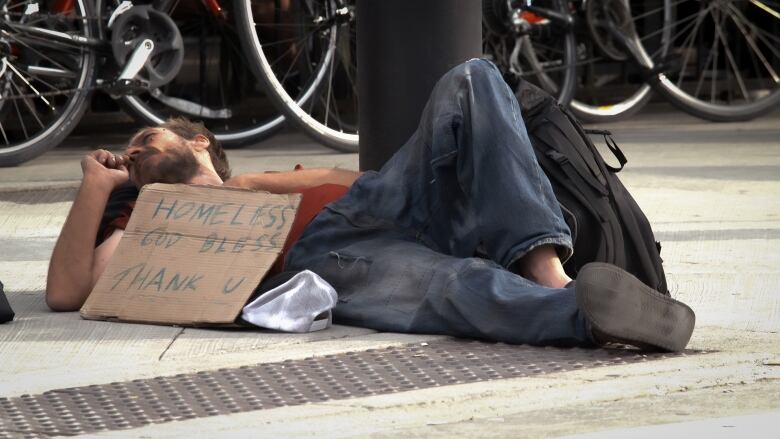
{"points": [[219, 228]]}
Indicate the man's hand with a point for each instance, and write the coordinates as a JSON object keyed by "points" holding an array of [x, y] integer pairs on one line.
{"points": [[109, 168]]}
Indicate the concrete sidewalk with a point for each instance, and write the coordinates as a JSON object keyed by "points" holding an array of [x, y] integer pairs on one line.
{"points": [[710, 190]]}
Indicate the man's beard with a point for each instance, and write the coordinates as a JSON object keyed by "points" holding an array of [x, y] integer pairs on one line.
{"points": [[177, 165]]}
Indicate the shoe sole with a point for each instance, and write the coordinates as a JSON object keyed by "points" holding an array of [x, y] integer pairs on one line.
{"points": [[621, 306]]}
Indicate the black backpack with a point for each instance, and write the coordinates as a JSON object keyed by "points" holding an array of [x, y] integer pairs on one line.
{"points": [[6, 313], [606, 223]]}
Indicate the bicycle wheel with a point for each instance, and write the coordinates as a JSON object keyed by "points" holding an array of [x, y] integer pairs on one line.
{"points": [[528, 45], [44, 81], [610, 86], [304, 54], [724, 58], [213, 84]]}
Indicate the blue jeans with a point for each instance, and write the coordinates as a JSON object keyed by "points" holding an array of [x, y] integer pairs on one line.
{"points": [[400, 246]]}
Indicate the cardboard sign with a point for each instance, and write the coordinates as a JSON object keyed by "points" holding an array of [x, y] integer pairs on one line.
{"points": [[192, 255]]}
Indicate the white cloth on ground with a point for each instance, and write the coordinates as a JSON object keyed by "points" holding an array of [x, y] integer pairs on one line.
{"points": [[302, 304]]}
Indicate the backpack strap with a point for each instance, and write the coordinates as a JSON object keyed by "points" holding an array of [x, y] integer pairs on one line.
{"points": [[574, 175], [576, 139], [616, 151]]}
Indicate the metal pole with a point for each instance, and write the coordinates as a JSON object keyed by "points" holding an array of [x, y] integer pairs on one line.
{"points": [[403, 48]]}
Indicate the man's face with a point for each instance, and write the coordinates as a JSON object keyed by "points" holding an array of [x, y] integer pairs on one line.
{"points": [[160, 156]]}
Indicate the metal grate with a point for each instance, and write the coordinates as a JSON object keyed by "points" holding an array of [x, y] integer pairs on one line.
{"points": [[123, 405]]}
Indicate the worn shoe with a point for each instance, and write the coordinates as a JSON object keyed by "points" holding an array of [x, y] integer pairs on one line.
{"points": [[622, 309]]}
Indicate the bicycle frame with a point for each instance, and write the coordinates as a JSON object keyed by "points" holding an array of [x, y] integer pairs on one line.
{"points": [[101, 44], [566, 21], [61, 37]]}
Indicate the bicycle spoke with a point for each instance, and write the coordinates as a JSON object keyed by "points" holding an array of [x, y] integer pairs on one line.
{"points": [[284, 41], [745, 27], [30, 106], [713, 54], [689, 23], [692, 39], [74, 48], [760, 33], [36, 75], [289, 49], [222, 99], [547, 48], [288, 25], [338, 117], [330, 90], [732, 62], [37, 52], [316, 28], [292, 64], [350, 77], [764, 36], [714, 82], [752, 44], [43, 82], [656, 10], [5, 136], [670, 26], [19, 115], [234, 45], [764, 7], [35, 90]]}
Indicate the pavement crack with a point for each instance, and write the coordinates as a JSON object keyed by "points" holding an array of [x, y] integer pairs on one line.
{"points": [[181, 331]]}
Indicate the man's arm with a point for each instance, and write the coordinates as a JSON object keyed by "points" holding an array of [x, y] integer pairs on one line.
{"points": [[285, 182], [74, 267]]}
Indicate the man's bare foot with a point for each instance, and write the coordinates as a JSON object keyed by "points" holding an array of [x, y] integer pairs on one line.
{"points": [[542, 266]]}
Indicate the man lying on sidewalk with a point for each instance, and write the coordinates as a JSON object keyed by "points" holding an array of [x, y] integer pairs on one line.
{"points": [[400, 247]]}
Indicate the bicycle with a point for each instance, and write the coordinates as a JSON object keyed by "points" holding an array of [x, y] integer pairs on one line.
{"points": [[716, 60], [319, 55], [713, 59], [55, 53], [610, 85], [325, 43], [533, 41]]}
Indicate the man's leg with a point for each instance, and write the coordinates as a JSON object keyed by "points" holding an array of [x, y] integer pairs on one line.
{"points": [[387, 281], [543, 266], [467, 179]]}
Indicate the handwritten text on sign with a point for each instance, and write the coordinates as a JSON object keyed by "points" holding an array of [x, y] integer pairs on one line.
{"points": [[203, 248]]}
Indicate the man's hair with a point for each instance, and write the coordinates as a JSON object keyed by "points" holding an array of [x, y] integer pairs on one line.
{"points": [[188, 130]]}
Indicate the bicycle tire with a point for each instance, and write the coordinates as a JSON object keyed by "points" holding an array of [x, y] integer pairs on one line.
{"points": [[617, 106], [550, 65], [67, 113], [207, 95], [292, 107], [737, 26], [612, 112]]}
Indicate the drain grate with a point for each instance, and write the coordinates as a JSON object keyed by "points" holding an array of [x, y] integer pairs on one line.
{"points": [[123, 405]]}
